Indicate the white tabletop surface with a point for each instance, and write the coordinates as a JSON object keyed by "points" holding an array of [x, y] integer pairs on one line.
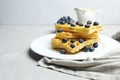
{"points": [[18, 62]]}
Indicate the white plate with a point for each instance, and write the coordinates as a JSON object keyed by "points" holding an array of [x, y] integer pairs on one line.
{"points": [[42, 46]]}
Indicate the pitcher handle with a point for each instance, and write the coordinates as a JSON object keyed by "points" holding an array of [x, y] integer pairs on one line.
{"points": [[99, 12]]}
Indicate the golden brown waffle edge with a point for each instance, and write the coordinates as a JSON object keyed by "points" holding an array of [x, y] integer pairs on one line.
{"points": [[58, 44]]}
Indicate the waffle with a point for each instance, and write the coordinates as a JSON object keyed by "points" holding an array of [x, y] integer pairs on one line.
{"points": [[75, 35], [58, 44], [79, 29]]}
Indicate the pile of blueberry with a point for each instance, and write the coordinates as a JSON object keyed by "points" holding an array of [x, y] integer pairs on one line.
{"points": [[66, 19], [89, 23], [72, 45], [85, 49], [90, 49], [69, 20]]}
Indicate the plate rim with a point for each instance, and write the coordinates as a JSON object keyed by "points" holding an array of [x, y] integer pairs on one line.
{"points": [[31, 47]]}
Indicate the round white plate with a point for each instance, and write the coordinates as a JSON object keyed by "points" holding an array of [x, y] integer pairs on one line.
{"points": [[42, 46]]}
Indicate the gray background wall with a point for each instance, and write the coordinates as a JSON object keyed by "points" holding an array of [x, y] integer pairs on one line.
{"points": [[48, 11]]}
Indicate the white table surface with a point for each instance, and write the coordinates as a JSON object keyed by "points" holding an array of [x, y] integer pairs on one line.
{"points": [[18, 62]]}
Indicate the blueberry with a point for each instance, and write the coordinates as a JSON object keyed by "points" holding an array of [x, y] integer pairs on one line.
{"points": [[89, 22], [62, 51], [61, 19], [95, 45], [63, 22], [72, 40], [79, 23], [81, 40], [58, 21], [64, 40], [73, 25], [86, 49], [87, 26], [70, 22], [59, 30], [91, 49], [68, 17], [72, 45], [95, 23], [64, 18]]}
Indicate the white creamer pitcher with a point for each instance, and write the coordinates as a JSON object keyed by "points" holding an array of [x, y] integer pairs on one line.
{"points": [[84, 15]]}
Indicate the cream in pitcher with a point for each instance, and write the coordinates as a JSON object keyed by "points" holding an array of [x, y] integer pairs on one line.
{"points": [[84, 15]]}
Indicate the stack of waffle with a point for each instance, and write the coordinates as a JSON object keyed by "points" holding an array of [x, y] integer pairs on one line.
{"points": [[72, 37]]}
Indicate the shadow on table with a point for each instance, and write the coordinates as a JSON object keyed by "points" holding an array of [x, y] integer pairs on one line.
{"points": [[33, 55]]}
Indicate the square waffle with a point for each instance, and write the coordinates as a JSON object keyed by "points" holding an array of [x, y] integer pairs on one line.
{"points": [[75, 35], [79, 29], [58, 44]]}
